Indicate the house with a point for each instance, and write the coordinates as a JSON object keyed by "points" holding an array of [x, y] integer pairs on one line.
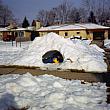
{"points": [[26, 34], [85, 30], [11, 32], [7, 34], [29, 33], [2, 30], [23, 34], [18, 34]]}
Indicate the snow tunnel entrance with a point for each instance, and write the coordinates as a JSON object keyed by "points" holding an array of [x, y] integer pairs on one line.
{"points": [[53, 56]]}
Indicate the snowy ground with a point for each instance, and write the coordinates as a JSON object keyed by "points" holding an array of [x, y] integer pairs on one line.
{"points": [[82, 55], [50, 93], [9, 53]]}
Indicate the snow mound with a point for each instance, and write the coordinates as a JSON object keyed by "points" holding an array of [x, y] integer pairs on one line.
{"points": [[107, 43], [47, 92], [77, 54]]}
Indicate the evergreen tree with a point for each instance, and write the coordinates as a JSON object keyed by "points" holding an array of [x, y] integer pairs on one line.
{"points": [[33, 23], [25, 23], [92, 18], [77, 17]]}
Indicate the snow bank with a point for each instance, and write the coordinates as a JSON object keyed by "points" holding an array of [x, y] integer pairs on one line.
{"points": [[77, 54], [47, 92], [107, 43]]}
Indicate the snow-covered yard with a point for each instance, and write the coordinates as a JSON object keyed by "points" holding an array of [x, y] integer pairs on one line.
{"points": [[9, 53], [48, 92]]}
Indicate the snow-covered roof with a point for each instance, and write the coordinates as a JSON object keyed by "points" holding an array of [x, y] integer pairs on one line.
{"points": [[73, 27], [24, 29], [61, 27], [18, 29], [3, 29], [92, 26], [70, 27], [21, 29]]}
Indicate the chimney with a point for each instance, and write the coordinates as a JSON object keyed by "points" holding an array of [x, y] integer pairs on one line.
{"points": [[38, 24]]}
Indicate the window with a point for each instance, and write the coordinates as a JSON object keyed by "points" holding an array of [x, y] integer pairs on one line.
{"points": [[78, 32], [21, 34], [66, 34], [87, 32]]}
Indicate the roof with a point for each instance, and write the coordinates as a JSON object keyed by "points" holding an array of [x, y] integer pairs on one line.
{"points": [[61, 27], [3, 29], [73, 27], [18, 29], [25, 29], [21, 29], [92, 26]]}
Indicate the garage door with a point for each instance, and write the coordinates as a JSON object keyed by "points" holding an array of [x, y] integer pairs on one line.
{"points": [[98, 35]]}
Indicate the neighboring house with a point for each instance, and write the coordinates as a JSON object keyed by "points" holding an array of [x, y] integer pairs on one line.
{"points": [[19, 34], [85, 30], [26, 34], [7, 34], [23, 34], [2, 30]]}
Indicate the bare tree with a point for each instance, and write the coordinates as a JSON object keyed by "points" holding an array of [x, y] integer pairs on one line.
{"points": [[58, 14], [63, 11], [72, 15], [77, 15], [51, 17], [42, 17], [6, 15], [89, 5], [92, 18], [100, 8], [83, 15]]}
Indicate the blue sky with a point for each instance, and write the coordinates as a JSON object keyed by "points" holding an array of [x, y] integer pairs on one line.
{"points": [[30, 8]]}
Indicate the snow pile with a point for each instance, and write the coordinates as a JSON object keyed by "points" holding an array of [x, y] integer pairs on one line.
{"points": [[48, 92], [77, 54], [107, 43]]}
